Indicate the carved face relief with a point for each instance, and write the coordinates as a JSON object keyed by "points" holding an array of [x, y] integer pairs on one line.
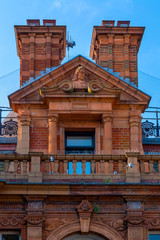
{"points": [[79, 79]]}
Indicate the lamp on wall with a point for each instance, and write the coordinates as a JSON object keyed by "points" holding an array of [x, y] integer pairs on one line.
{"points": [[130, 165]]}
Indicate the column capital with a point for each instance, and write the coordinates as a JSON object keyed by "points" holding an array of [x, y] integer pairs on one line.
{"points": [[53, 118], [25, 120], [135, 121], [107, 117]]}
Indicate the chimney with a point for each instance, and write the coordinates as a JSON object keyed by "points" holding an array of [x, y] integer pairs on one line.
{"points": [[39, 47], [116, 47]]}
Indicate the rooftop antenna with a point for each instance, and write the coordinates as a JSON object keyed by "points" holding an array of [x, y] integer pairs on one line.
{"points": [[70, 43]]}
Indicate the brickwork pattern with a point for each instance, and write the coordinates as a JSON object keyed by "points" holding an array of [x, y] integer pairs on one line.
{"points": [[38, 138], [121, 138]]}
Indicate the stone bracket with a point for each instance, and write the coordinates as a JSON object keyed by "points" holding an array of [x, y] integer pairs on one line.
{"points": [[85, 210]]}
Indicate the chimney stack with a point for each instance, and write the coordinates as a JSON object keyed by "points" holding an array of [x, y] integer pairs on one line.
{"points": [[116, 47], [39, 47]]}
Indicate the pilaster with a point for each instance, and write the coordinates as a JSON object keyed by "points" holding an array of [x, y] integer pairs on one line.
{"points": [[24, 138], [52, 137], [107, 119]]}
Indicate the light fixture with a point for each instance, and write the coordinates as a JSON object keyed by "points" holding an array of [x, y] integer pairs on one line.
{"points": [[130, 165]]}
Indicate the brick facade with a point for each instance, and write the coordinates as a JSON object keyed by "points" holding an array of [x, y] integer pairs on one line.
{"points": [[39, 47], [116, 47], [38, 139], [121, 138]]}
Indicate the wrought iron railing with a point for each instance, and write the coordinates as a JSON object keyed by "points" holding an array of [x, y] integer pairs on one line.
{"points": [[150, 123], [8, 125]]}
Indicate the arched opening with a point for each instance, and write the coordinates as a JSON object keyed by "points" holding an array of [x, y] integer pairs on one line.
{"points": [[72, 230], [85, 237]]}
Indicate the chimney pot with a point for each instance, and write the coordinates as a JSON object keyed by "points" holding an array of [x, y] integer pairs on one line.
{"points": [[108, 23], [49, 22], [123, 23], [33, 22]]}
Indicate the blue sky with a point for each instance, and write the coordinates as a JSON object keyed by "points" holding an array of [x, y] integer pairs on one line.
{"points": [[80, 16]]}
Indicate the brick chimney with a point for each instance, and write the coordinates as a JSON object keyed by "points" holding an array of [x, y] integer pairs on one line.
{"points": [[39, 47], [116, 47]]}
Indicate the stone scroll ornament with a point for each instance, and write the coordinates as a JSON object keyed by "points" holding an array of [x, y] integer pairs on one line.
{"points": [[79, 82]]}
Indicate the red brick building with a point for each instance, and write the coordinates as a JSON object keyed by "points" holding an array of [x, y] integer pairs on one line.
{"points": [[79, 170]]}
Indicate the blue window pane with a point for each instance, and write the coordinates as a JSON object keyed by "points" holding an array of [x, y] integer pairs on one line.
{"points": [[154, 236], [79, 141]]}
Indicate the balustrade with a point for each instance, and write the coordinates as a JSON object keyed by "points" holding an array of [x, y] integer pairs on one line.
{"points": [[80, 167]]}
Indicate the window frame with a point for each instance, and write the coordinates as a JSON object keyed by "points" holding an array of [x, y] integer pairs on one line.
{"points": [[80, 133]]}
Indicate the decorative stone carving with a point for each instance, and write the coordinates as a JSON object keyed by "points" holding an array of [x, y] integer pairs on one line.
{"points": [[117, 224], [34, 220], [134, 205], [25, 120], [79, 79], [155, 221], [9, 221], [134, 220], [53, 224], [85, 210], [11, 206], [34, 205]]}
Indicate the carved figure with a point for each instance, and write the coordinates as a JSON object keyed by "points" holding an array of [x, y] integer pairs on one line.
{"points": [[79, 78]]}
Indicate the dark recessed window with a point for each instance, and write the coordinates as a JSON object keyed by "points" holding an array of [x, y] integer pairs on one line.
{"points": [[77, 142]]}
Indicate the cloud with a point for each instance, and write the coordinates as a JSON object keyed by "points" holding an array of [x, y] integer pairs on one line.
{"points": [[56, 5], [67, 6]]}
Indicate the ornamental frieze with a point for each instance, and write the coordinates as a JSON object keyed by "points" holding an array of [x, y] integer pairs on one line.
{"points": [[34, 220], [53, 224], [119, 224], [11, 206], [10, 221], [135, 220]]}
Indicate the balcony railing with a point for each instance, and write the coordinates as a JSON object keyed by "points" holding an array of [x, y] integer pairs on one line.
{"points": [[103, 169]]}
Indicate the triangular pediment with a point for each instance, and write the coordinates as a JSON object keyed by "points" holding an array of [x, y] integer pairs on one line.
{"points": [[78, 76]]}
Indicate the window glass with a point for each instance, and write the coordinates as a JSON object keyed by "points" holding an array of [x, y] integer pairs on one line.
{"points": [[154, 236], [79, 141], [10, 237]]}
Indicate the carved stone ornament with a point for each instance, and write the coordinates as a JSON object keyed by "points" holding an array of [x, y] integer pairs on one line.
{"points": [[155, 221], [53, 224], [9, 221], [118, 224], [85, 210], [134, 205], [34, 220], [34, 205], [25, 120], [84, 206], [134, 220], [79, 78]]}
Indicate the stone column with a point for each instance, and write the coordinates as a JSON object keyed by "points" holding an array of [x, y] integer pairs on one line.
{"points": [[19, 137], [135, 125], [34, 218], [23, 139], [135, 219], [107, 138], [52, 134]]}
